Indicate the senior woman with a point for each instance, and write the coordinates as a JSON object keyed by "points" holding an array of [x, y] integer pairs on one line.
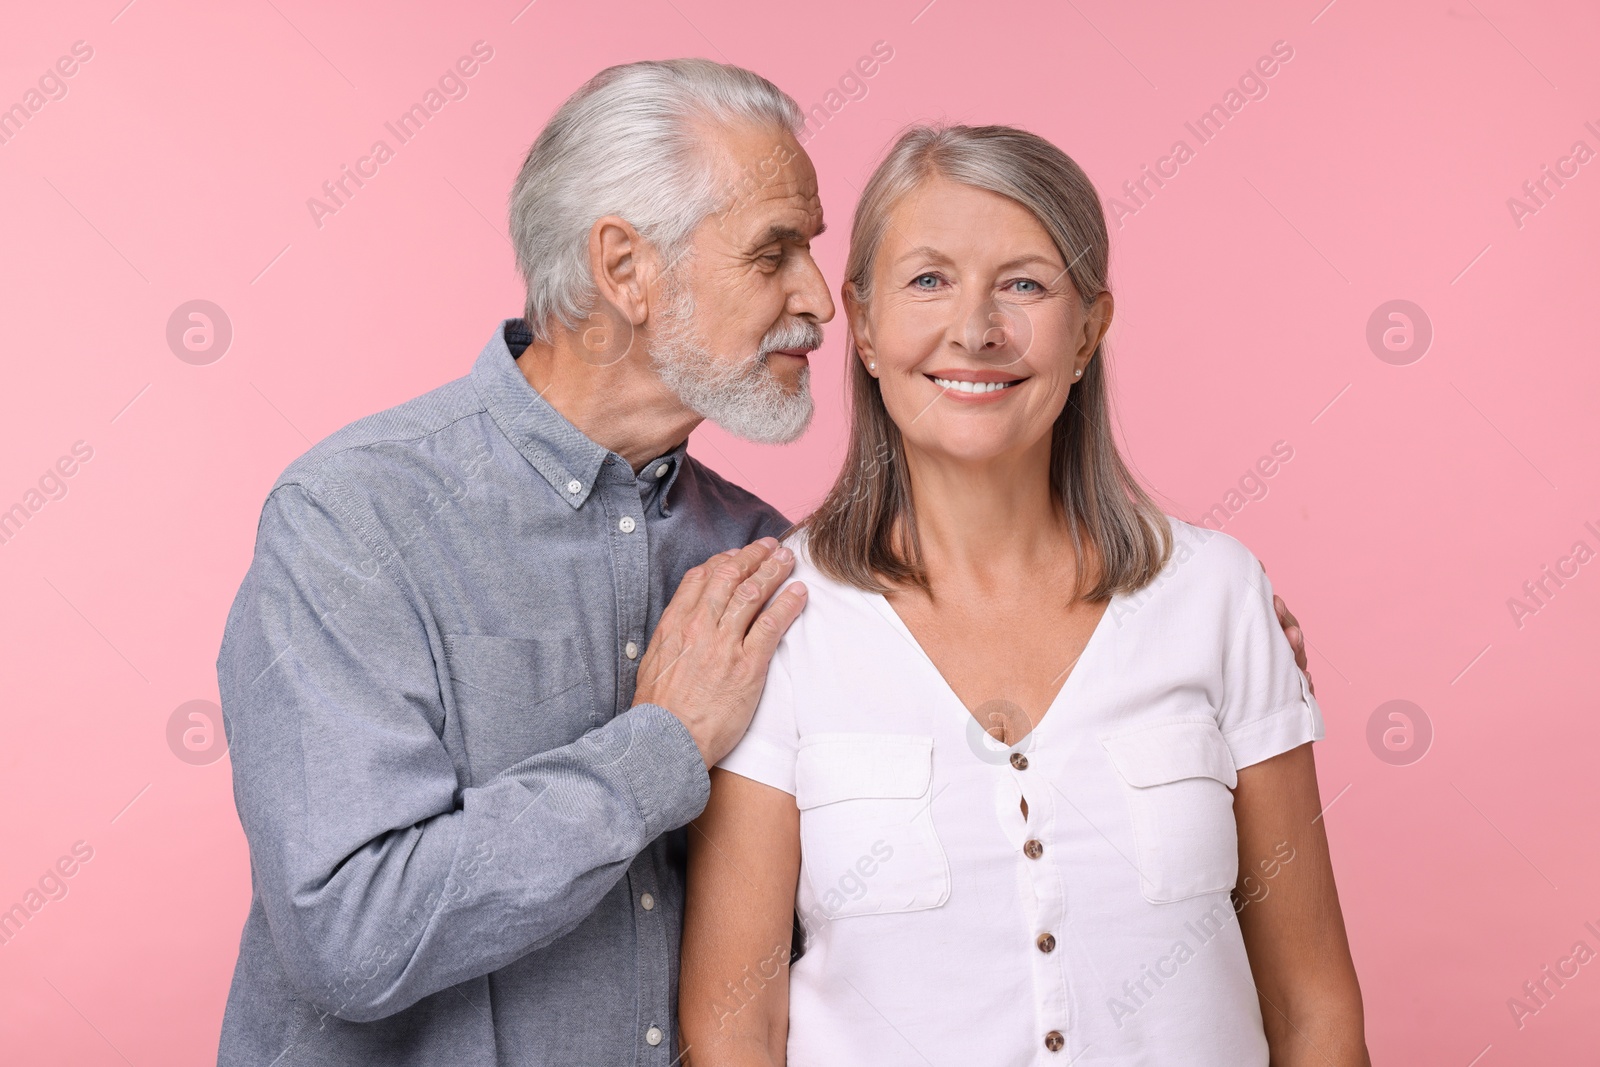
{"points": [[1031, 780]]}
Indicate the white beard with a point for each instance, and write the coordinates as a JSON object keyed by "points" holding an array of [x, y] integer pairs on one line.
{"points": [[743, 396]]}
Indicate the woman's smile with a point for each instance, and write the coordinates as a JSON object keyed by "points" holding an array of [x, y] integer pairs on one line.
{"points": [[975, 387]]}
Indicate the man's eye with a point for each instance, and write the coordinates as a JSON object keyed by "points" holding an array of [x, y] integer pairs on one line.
{"points": [[772, 258]]}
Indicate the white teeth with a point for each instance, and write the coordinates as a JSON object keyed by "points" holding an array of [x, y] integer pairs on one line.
{"points": [[972, 387]]}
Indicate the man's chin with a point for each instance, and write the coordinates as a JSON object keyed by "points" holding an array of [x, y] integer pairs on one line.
{"points": [[771, 428]]}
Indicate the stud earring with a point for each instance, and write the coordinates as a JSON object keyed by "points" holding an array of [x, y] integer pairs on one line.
{"points": [[872, 364], [1077, 374]]}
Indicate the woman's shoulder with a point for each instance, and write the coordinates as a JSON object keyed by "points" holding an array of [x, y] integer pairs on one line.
{"points": [[1207, 575], [1200, 553], [805, 567], [824, 591]]}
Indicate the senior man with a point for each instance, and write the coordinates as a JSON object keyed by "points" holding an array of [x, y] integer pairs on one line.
{"points": [[467, 726]]}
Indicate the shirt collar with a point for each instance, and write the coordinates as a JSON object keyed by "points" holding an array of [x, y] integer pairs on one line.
{"points": [[558, 450], [662, 483]]}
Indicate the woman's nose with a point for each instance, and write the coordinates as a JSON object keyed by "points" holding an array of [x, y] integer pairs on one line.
{"points": [[991, 330]]}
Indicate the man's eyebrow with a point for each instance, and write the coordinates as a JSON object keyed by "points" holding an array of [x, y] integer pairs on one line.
{"points": [[786, 233]]}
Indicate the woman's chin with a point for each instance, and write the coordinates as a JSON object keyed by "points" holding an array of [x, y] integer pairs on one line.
{"points": [[969, 448]]}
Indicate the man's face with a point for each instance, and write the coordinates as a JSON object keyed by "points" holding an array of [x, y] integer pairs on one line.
{"points": [[740, 310]]}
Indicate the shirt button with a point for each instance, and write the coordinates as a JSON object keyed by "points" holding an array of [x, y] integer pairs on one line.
{"points": [[1019, 761], [1033, 848], [630, 650], [653, 1036], [661, 471], [627, 524], [1047, 942], [647, 902], [1054, 1041], [574, 486]]}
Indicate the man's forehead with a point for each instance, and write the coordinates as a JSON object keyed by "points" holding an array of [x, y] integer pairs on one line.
{"points": [[790, 216], [766, 180]]}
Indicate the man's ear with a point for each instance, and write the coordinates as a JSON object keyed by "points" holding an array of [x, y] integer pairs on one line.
{"points": [[856, 315], [621, 266]]}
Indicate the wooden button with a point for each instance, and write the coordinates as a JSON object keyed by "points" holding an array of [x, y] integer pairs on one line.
{"points": [[1032, 848], [1054, 1041], [1019, 761], [1047, 942]]}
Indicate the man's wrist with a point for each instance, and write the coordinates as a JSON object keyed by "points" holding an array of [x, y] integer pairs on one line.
{"points": [[665, 768]]}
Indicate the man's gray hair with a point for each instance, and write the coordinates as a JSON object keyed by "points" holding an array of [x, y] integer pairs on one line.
{"points": [[628, 143]]}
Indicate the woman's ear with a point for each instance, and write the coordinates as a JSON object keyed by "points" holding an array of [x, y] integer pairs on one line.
{"points": [[621, 267], [860, 329], [1096, 322]]}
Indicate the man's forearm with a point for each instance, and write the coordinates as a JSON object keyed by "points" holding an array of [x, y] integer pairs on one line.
{"points": [[369, 929]]}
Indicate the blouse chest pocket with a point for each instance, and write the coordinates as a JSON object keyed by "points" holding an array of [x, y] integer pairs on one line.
{"points": [[867, 838], [1178, 779]]}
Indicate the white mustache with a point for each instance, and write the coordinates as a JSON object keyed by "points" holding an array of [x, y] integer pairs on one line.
{"points": [[798, 333]]}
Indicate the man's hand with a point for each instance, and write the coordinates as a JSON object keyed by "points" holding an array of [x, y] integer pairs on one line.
{"points": [[708, 658], [1291, 630]]}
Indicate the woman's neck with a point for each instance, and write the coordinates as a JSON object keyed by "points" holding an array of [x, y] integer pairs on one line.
{"points": [[989, 522]]}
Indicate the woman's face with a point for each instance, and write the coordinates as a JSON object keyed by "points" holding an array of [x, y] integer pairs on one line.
{"points": [[974, 327]]}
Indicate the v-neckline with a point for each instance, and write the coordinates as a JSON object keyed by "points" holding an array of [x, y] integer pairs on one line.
{"points": [[880, 603]]}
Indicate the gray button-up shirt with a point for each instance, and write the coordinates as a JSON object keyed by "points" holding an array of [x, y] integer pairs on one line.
{"points": [[465, 841]]}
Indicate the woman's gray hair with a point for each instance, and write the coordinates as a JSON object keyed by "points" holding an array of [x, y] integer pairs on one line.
{"points": [[629, 143], [865, 531]]}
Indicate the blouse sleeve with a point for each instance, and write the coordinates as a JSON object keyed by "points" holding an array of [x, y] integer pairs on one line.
{"points": [[766, 754], [1267, 707]]}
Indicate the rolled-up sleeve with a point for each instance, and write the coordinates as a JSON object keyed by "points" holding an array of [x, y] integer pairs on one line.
{"points": [[383, 879], [1267, 706]]}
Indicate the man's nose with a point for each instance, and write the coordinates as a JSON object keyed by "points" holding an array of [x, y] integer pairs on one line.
{"points": [[811, 297]]}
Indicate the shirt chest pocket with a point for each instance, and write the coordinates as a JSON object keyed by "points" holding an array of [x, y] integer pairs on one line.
{"points": [[515, 697], [1178, 779], [867, 840]]}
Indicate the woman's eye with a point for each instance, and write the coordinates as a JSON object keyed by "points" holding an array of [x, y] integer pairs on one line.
{"points": [[1027, 285], [925, 281]]}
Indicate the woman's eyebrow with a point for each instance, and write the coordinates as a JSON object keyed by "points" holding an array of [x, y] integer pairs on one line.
{"points": [[1032, 257], [926, 252], [923, 252]]}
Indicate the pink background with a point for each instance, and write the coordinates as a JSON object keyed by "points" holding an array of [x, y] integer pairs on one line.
{"points": [[1419, 498]]}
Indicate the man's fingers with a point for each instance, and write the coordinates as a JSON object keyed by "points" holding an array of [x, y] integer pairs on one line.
{"points": [[754, 591], [772, 624], [1297, 641], [1291, 630], [1286, 619], [690, 589], [727, 571]]}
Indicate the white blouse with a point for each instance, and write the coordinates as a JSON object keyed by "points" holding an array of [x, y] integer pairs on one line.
{"points": [[941, 927]]}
